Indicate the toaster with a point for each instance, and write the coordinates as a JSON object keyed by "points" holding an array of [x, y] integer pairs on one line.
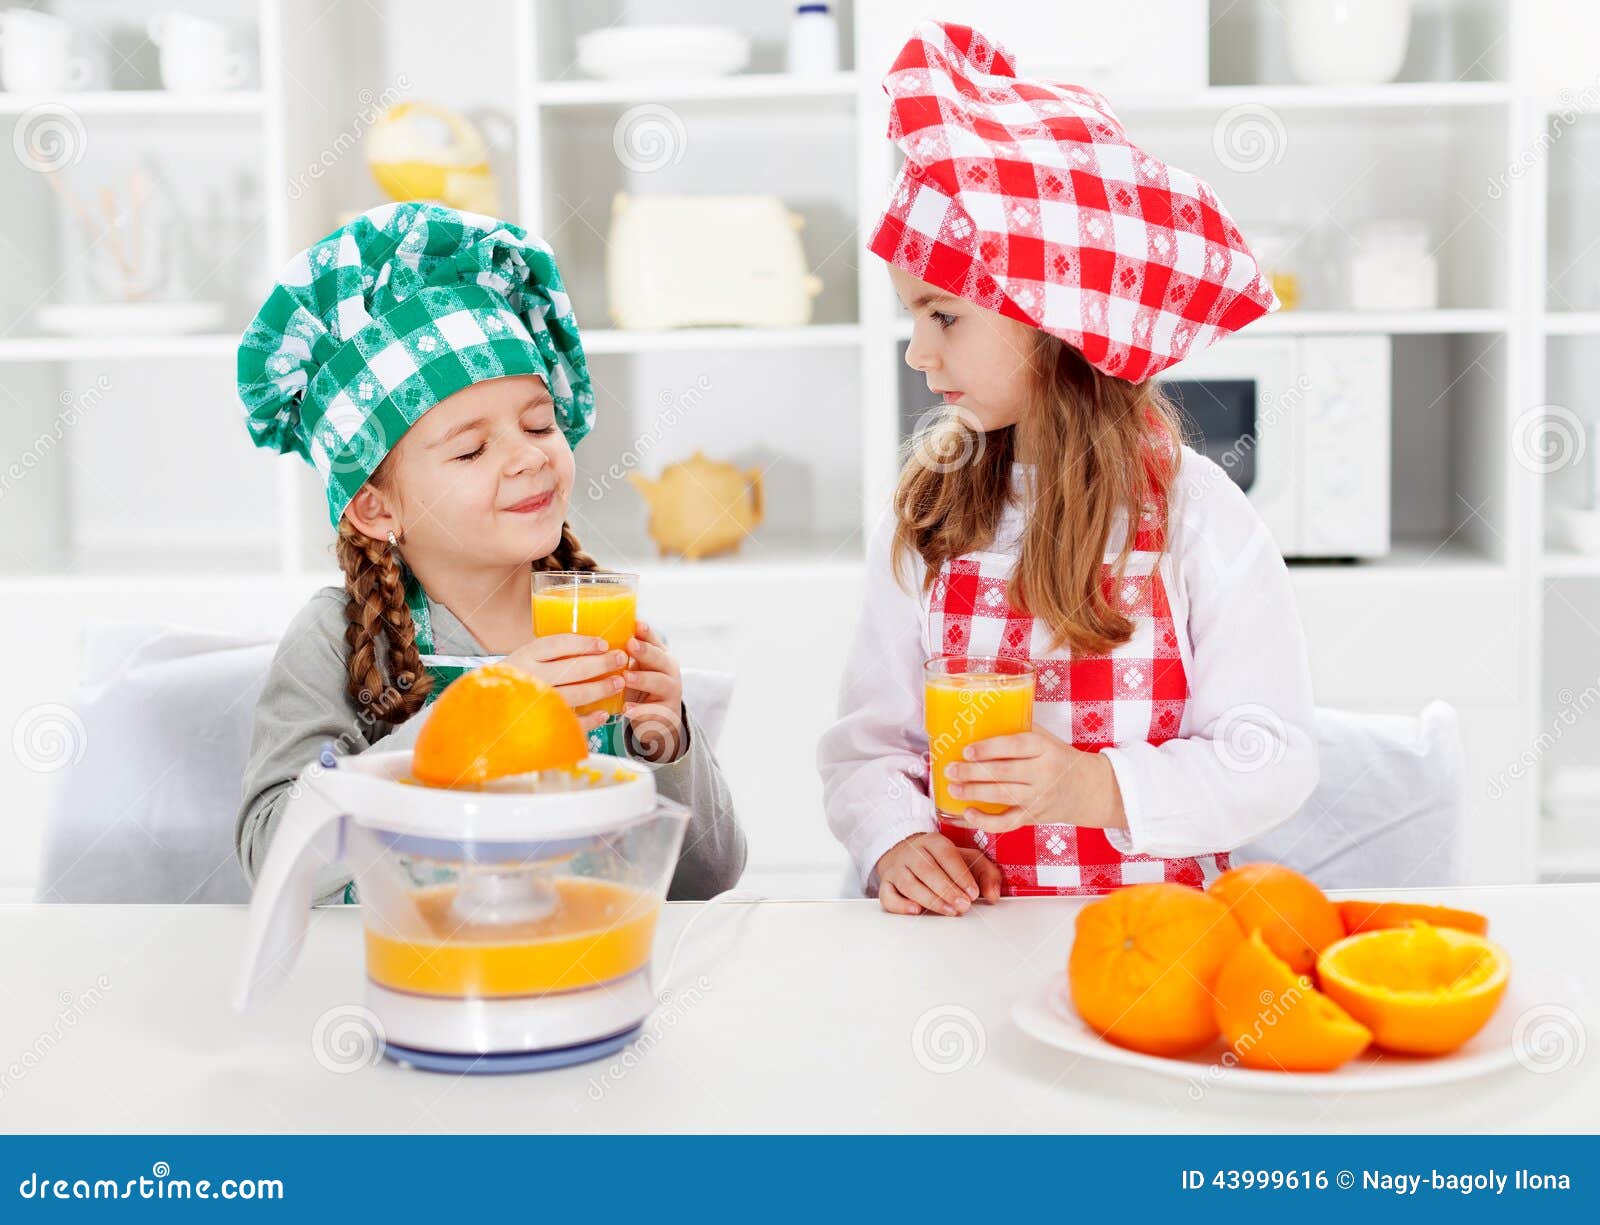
{"points": [[696, 261]]}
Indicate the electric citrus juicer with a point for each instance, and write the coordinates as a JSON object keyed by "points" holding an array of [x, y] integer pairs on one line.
{"points": [[508, 923]]}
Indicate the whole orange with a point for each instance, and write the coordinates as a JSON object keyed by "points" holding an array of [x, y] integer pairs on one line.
{"points": [[494, 721], [1143, 962], [1295, 918]]}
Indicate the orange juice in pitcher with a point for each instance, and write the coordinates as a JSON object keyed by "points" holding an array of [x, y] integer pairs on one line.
{"points": [[970, 698], [597, 604]]}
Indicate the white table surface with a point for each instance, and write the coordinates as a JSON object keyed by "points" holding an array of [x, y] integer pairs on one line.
{"points": [[791, 1015]]}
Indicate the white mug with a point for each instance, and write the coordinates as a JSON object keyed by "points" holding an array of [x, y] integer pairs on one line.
{"points": [[1352, 42], [36, 54], [198, 55]]}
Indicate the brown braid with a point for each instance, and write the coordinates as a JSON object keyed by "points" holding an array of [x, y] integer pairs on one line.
{"points": [[568, 555], [377, 605]]}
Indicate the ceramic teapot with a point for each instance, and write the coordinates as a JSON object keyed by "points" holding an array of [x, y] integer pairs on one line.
{"points": [[701, 507]]}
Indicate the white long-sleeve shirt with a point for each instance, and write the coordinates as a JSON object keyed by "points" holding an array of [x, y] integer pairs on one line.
{"points": [[1244, 758]]}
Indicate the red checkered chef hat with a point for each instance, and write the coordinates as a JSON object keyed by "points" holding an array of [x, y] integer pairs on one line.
{"points": [[1027, 198]]}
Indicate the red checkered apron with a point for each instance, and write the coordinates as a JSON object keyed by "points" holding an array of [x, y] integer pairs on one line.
{"points": [[1136, 692]]}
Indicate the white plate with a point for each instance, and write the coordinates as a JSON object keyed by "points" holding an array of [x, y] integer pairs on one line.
{"points": [[1049, 1016], [657, 52], [130, 318]]}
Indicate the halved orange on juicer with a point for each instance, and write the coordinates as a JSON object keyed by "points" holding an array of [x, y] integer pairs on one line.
{"points": [[493, 722], [1362, 916], [1421, 990]]}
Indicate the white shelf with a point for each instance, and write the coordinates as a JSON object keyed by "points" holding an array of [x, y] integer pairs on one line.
{"points": [[138, 102], [167, 581], [1554, 104], [1405, 95], [1572, 323], [817, 335], [738, 88], [1393, 323], [1408, 561], [796, 561], [1323, 323], [1565, 563], [805, 563], [221, 345]]}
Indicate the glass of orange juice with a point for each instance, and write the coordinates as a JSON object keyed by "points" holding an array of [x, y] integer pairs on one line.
{"points": [[970, 698], [598, 603]]}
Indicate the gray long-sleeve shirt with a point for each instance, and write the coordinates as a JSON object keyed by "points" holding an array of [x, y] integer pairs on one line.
{"points": [[305, 705]]}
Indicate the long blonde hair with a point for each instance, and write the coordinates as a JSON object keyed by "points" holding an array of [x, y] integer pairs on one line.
{"points": [[1102, 448], [377, 608]]}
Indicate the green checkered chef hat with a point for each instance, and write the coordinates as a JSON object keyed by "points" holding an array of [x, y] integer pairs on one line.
{"points": [[375, 324]]}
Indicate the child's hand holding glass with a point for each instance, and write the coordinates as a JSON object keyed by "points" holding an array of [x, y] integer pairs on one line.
{"points": [[1032, 778], [654, 700], [585, 671]]}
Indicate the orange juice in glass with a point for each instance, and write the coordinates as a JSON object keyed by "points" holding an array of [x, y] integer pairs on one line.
{"points": [[970, 698], [596, 603]]}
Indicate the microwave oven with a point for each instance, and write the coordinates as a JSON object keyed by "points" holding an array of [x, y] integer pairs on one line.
{"points": [[1301, 424]]}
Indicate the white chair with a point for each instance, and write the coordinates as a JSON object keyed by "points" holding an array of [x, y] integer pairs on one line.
{"points": [[1386, 810], [148, 814]]}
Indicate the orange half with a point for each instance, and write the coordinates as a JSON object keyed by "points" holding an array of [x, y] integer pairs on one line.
{"points": [[1421, 990], [1364, 916], [1274, 1019], [492, 722]]}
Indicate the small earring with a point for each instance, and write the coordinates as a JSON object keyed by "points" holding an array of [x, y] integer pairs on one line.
{"points": [[393, 543]]}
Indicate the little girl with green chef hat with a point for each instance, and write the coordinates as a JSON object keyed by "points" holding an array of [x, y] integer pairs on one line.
{"points": [[427, 363]]}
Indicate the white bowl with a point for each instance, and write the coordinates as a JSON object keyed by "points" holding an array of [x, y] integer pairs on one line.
{"points": [[657, 52]]}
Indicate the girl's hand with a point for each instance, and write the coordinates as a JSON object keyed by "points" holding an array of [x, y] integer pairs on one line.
{"points": [[928, 872], [1040, 780], [654, 702], [575, 665]]}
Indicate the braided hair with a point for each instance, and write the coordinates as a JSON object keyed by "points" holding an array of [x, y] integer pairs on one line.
{"points": [[376, 608]]}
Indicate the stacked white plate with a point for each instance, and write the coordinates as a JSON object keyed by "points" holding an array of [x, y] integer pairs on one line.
{"points": [[656, 52], [130, 318]]}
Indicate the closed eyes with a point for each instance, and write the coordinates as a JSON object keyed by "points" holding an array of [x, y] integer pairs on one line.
{"points": [[538, 431]]}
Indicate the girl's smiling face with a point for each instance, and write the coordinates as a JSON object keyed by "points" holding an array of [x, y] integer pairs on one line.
{"points": [[484, 476], [976, 359]]}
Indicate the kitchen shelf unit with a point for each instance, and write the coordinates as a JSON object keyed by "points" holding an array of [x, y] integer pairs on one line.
{"points": [[820, 406]]}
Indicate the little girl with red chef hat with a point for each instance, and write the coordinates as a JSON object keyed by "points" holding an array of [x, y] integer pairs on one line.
{"points": [[1052, 268]]}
